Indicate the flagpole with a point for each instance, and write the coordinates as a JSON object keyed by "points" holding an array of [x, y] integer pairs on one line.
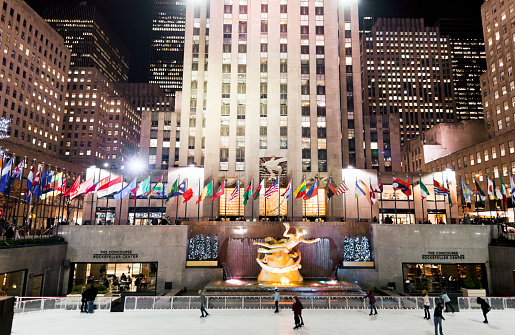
{"points": [[318, 199], [107, 200], [422, 200], [53, 198], [264, 193], [121, 205], [177, 196], [279, 197], [78, 203], [212, 203], [163, 209], [395, 200], [357, 199], [329, 183], [444, 202], [6, 212], [45, 200], [381, 195], [198, 205], [436, 203], [28, 222], [186, 203], [304, 202], [20, 193], [92, 220], [291, 196], [371, 206], [239, 199], [409, 203], [11, 184], [252, 199], [345, 201], [135, 204], [225, 198]]}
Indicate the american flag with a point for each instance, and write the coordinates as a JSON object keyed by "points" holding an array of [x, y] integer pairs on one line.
{"points": [[236, 193], [272, 189], [342, 189]]}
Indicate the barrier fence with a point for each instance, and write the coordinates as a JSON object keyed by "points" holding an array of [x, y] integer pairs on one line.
{"points": [[42, 304]]}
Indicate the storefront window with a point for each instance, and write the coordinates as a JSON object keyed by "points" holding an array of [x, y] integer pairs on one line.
{"points": [[12, 283], [117, 277], [435, 277]]}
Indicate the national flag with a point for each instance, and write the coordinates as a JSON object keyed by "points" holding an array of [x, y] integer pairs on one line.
{"points": [[73, 188], [498, 194], [259, 189], [439, 188], [47, 190], [479, 191], [313, 190], [93, 188], [113, 186], [82, 188], [142, 189], [504, 193], [300, 191], [512, 187], [331, 192], [287, 193], [208, 190], [466, 192], [17, 171], [401, 185], [6, 176], [124, 192], [373, 197], [379, 187], [173, 191], [235, 193], [219, 192], [342, 189], [272, 189], [491, 188], [30, 177], [187, 195], [38, 191], [37, 178], [157, 190], [248, 194], [424, 192], [361, 189], [449, 194]]}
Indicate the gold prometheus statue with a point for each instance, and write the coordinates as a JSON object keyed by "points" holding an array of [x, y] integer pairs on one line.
{"points": [[278, 262]]}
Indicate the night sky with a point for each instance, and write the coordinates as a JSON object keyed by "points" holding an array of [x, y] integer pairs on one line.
{"points": [[132, 19]]}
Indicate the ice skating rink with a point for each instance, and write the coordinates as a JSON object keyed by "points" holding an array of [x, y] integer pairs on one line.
{"points": [[247, 322]]}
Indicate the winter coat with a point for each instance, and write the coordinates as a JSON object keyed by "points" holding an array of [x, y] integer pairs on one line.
{"points": [[202, 299], [371, 298], [276, 296], [426, 300], [484, 305], [438, 312], [297, 308], [91, 293], [445, 298]]}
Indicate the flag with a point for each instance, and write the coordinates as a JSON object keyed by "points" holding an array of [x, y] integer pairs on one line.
{"points": [[236, 193], [287, 193], [248, 194], [504, 193], [379, 187], [113, 186], [331, 192], [491, 188], [401, 185], [82, 188], [272, 189], [424, 192], [173, 191], [6, 176], [479, 191], [449, 194], [498, 194], [37, 178], [30, 177], [94, 188], [439, 188], [47, 189], [512, 186], [73, 188], [342, 189], [208, 190], [124, 192], [466, 192], [17, 171], [361, 189], [187, 195], [157, 190], [40, 188], [219, 192], [259, 189], [313, 190], [143, 188], [300, 191], [373, 198]]}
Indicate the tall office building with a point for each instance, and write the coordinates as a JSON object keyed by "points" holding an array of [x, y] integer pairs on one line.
{"points": [[91, 40], [100, 126], [468, 63], [167, 46], [276, 81], [407, 75]]}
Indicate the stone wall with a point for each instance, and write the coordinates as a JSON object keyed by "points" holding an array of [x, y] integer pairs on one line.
{"points": [[502, 267]]}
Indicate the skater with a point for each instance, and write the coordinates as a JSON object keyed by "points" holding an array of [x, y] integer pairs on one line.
{"points": [[371, 301], [90, 294], [202, 304], [427, 315], [84, 302], [276, 300], [447, 301], [485, 307], [297, 312], [438, 317]]}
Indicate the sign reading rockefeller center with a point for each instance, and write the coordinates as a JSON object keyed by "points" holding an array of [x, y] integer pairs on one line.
{"points": [[113, 254], [442, 255]]}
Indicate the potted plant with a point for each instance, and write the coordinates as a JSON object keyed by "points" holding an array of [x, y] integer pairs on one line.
{"points": [[473, 288]]}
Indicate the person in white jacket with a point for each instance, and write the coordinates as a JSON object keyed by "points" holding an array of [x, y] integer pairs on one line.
{"points": [[447, 301], [427, 315]]}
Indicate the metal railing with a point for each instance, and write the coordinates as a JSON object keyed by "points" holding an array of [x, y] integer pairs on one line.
{"points": [[259, 302], [496, 303], [42, 304]]}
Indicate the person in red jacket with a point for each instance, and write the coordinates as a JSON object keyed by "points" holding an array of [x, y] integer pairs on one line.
{"points": [[297, 312]]}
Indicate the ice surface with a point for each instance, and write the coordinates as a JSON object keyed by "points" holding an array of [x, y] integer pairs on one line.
{"points": [[247, 322]]}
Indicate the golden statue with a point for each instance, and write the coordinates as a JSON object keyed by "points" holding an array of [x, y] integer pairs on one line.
{"points": [[278, 263]]}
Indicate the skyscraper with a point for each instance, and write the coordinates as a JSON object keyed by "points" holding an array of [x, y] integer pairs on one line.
{"points": [[407, 75], [91, 40], [265, 78], [167, 45]]}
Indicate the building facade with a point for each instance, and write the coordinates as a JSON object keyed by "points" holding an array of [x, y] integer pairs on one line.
{"points": [[167, 46], [92, 42], [407, 73]]}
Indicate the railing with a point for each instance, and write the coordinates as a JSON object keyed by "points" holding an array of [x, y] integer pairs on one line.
{"points": [[496, 303], [41, 304], [258, 302]]}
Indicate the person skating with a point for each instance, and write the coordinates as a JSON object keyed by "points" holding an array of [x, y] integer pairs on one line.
{"points": [[297, 311], [427, 315], [90, 294], [202, 304], [276, 300], [84, 302], [447, 301], [371, 301], [485, 307], [438, 317]]}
